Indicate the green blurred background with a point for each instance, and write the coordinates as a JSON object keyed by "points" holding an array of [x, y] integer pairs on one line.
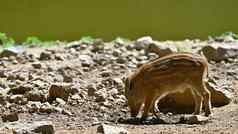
{"points": [[107, 19]]}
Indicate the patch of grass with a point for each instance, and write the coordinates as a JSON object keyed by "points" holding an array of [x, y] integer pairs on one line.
{"points": [[87, 40], [48, 44], [121, 40], [32, 41], [6, 41], [226, 34], [233, 35]]}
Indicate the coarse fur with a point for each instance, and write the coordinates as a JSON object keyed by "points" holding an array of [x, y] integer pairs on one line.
{"points": [[172, 73]]}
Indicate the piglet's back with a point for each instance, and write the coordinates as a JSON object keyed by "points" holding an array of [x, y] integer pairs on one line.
{"points": [[175, 64]]}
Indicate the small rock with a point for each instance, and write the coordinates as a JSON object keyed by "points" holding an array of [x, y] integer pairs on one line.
{"points": [[46, 108], [102, 59], [143, 42], [13, 51], [219, 52], [59, 91], [3, 74], [100, 96], [105, 73], [74, 44], [120, 101], [14, 62], [43, 127], [75, 97], [30, 57], [113, 92], [33, 106], [106, 129], [91, 89], [35, 95], [98, 41], [116, 52], [103, 109], [37, 65], [66, 112], [82, 47], [45, 56], [18, 99], [161, 49], [2, 97], [59, 57], [67, 78], [58, 109], [107, 104], [73, 89], [22, 89], [95, 121], [60, 101], [86, 60], [118, 81], [10, 117], [98, 45], [193, 119], [130, 47], [121, 60]]}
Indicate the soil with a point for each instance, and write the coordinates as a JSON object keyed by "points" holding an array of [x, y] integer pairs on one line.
{"points": [[96, 74]]}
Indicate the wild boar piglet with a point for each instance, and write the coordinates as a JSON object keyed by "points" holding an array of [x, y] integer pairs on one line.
{"points": [[169, 74]]}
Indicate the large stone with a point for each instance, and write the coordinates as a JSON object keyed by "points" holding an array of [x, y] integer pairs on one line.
{"points": [[184, 102], [219, 52], [13, 51], [43, 127], [107, 129], [39, 127], [161, 49]]}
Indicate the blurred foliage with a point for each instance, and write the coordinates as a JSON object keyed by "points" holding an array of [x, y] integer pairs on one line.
{"points": [[121, 40], [87, 40], [6, 41], [231, 34], [32, 41], [223, 36]]}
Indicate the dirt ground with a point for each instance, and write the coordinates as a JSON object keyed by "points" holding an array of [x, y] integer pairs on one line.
{"points": [[96, 75]]}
